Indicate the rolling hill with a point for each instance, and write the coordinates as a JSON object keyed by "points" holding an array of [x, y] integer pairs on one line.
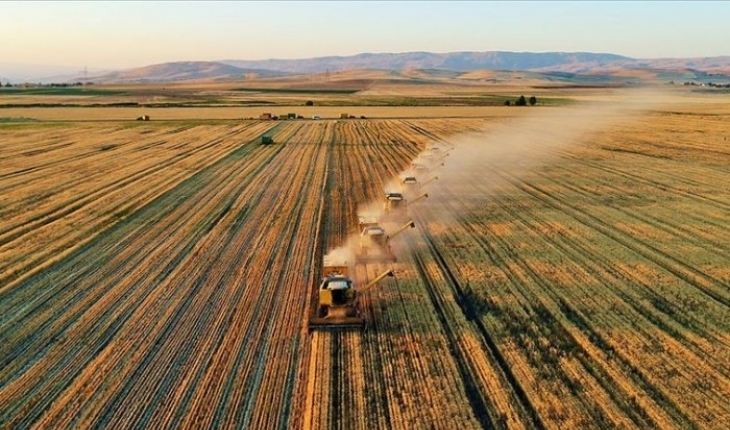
{"points": [[457, 61], [580, 66], [182, 71]]}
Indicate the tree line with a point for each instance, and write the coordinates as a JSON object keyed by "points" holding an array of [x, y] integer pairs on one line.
{"points": [[522, 101]]}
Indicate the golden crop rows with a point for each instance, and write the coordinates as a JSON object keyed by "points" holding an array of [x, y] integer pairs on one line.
{"points": [[161, 276]]}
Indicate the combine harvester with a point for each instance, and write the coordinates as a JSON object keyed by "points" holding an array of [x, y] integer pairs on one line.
{"points": [[337, 299], [395, 206], [374, 244], [410, 182], [421, 170], [436, 151]]}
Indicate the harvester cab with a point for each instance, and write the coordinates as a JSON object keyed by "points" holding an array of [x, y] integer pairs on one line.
{"points": [[373, 245], [267, 140], [419, 167], [337, 305], [367, 221], [395, 204], [435, 150], [410, 181]]}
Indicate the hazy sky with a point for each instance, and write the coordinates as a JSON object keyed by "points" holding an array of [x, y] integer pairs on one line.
{"points": [[133, 34]]}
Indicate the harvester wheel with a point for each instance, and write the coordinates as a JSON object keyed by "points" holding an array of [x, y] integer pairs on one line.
{"points": [[321, 311]]}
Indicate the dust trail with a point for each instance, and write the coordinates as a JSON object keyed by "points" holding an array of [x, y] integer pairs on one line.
{"points": [[460, 173], [520, 146], [343, 255]]}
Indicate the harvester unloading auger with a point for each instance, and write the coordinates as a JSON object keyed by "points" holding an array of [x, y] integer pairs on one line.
{"points": [[337, 300], [439, 160], [374, 246], [422, 196], [429, 181]]}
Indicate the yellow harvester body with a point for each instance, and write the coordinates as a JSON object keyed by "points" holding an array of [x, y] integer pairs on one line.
{"points": [[337, 306]]}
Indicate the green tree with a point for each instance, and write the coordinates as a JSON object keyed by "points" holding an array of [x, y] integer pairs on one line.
{"points": [[507, 103], [533, 101], [521, 101], [309, 103]]}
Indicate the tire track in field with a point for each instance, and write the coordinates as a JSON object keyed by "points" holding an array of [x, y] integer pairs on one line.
{"points": [[259, 333], [130, 182], [664, 224], [638, 377], [366, 162], [708, 284], [568, 342], [77, 206], [26, 301], [604, 268], [183, 189], [647, 180], [481, 407]]}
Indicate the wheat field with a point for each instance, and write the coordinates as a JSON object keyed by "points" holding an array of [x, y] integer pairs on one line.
{"points": [[570, 267]]}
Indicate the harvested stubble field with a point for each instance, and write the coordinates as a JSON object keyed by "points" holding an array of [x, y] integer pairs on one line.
{"points": [[161, 275]]}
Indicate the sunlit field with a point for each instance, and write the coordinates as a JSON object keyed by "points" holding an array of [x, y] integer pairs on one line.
{"points": [[569, 268]]}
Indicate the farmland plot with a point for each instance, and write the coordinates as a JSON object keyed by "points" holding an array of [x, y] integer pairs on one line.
{"points": [[587, 292], [602, 279], [161, 276]]}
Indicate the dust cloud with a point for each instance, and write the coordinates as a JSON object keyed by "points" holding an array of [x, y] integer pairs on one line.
{"points": [[480, 164], [343, 255], [462, 170]]}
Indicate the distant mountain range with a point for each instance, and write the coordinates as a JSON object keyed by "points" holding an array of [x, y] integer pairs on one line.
{"points": [[456, 61], [573, 63]]}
